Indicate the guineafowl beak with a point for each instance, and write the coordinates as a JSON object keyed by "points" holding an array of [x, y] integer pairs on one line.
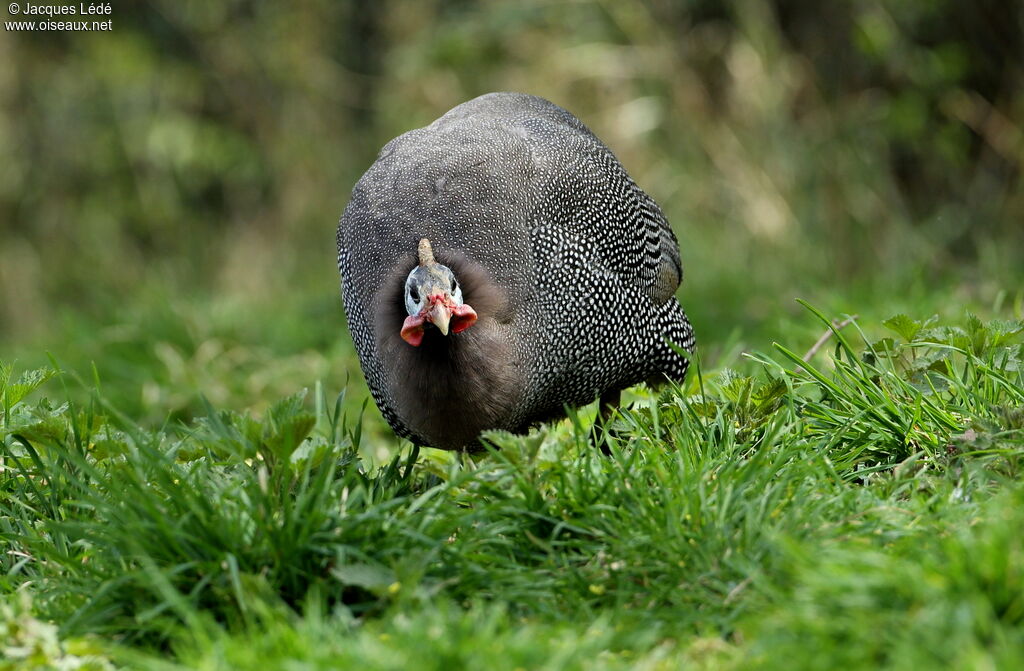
{"points": [[440, 314], [443, 313]]}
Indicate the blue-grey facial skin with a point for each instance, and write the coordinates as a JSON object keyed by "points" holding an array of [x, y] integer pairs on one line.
{"points": [[426, 281]]}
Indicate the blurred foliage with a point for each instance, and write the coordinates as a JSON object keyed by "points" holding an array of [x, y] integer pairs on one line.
{"points": [[208, 148]]}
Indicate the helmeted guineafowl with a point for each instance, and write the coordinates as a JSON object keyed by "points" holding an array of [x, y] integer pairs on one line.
{"points": [[498, 265]]}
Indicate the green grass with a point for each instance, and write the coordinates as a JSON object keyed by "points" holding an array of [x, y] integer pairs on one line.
{"points": [[171, 498], [858, 510]]}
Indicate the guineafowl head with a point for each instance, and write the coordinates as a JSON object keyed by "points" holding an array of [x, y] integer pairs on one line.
{"points": [[433, 296]]}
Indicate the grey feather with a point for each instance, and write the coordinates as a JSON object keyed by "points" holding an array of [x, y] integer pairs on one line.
{"points": [[570, 266]]}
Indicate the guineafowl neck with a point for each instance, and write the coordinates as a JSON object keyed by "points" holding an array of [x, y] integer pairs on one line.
{"points": [[450, 388]]}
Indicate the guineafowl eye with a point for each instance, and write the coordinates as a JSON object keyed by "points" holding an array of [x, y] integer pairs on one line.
{"points": [[413, 302]]}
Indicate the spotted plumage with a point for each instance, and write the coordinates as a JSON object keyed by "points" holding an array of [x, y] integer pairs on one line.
{"points": [[568, 267]]}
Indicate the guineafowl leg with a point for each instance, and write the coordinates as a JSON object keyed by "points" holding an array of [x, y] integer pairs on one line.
{"points": [[607, 405]]}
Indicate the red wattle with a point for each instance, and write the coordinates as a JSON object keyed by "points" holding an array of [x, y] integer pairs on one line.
{"points": [[412, 330], [463, 317]]}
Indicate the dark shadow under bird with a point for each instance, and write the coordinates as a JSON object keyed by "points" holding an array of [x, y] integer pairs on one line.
{"points": [[499, 265]]}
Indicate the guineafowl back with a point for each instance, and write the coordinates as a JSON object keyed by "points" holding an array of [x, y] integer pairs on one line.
{"points": [[569, 265]]}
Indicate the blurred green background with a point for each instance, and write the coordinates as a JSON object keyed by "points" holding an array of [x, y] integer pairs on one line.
{"points": [[169, 190]]}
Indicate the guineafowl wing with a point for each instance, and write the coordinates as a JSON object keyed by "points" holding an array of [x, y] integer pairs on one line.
{"points": [[586, 192]]}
